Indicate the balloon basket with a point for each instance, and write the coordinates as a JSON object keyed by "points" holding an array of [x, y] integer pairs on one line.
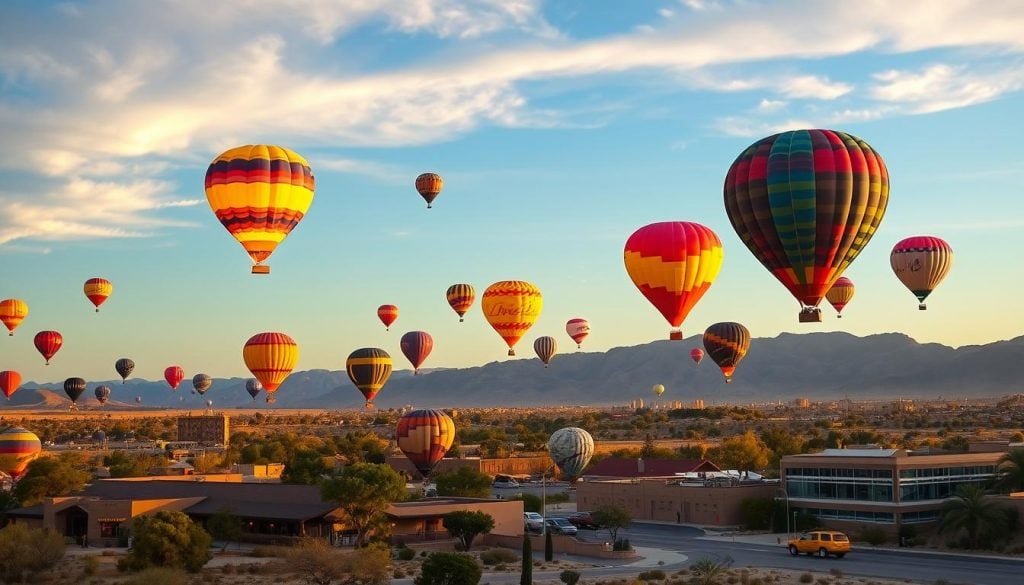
{"points": [[511, 353], [922, 307], [260, 269], [810, 316], [675, 335]]}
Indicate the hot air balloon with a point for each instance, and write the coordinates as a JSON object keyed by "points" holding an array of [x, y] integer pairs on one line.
{"points": [[174, 375], [840, 294], [425, 437], [546, 348], [18, 447], [253, 387], [727, 344], [259, 193], [416, 346], [10, 381], [12, 313], [270, 357], [571, 449], [806, 202], [658, 389], [98, 289], [387, 314], [429, 186], [461, 297], [48, 343], [209, 403], [99, 436], [138, 400], [124, 367], [369, 369], [696, 354], [102, 394], [74, 387], [673, 263], [921, 262], [201, 383], [578, 329], [512, 307]]}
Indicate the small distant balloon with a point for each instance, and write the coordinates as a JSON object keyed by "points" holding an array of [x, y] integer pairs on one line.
{"points": [[209, 403], [727, 344], [253, 387], [460, 298], [578, 329], [658, 389], [138, 400], [840, 294], [921, 263], [546, 347], [102, 394], [10, 381], [174, 375], [429, 186], [696, 354], [48, 343], [12, 313], [98, 290], [74, 387], [201, 383], [387, 314], [369, 369], [416, 346], [124, 367]]}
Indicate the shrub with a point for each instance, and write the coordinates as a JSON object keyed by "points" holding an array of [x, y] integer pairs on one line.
{"points": [[158, 576], [873, 535], [569, 577], [807, 578], [449, 569], [495, 556], [655, 575], [406, 554], [25, 551], [92, 564], [167, 539], [621, 544]]}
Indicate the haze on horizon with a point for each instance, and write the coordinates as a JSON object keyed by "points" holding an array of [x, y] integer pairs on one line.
{"points": [[559, 127]]}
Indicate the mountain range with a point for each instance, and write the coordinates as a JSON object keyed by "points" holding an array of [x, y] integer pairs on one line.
{"points": [[814, 365]]}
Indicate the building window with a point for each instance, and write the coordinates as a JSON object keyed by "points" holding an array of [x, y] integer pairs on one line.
{"points": [[109, 529]]}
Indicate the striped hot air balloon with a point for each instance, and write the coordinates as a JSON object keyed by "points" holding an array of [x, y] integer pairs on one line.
{"points": [[48, 343], [425, 436], [387, 314], [10, 381], [102, 394], [840, 294], [18, 447], [259, 193], [727, 344], [460, 298], [124, 367], [512, 307], [571, 449], [74, 387], [416, 346], [806, 202], [174, 375], [673, 263], [921, 263], [546, 347], [369, 369], [429, 186], [578, 329], [12, 313], [98, 290], [201, 383], [270, 357]]}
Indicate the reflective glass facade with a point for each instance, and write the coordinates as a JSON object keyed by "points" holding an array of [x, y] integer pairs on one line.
{"points": [[822, 483], [937, 483]]}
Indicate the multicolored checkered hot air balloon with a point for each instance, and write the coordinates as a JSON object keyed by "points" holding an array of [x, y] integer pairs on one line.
{"points": [[369, 369], [806, 202], [460, 298], [840, 294], [512, 307], [727, 344], [48, 343], [12, 313], [545, 347], [416, 346], [673, 263], [578, 329], [921, 263], [271, 357], [425, 437], [10, 381], [98, 290], [429, 186], [571, 449], [259, 193], [387, 314], [18, 447]]}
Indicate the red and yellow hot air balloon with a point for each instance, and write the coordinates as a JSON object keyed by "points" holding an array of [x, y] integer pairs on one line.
{"points": [[806, 202], [425, 436], [840, 294], [18, 447], [673, 263], [696, 354], [727, 344], [48, 343], [259, 193], [98, 290], [416, 346], [545, 347], [387, 314], [512, 307], [12, 313], [369, 369], [429, 186], [10, 381], [174, 375], [578, 329], [460, 298], [271, 357], [921, 263]]}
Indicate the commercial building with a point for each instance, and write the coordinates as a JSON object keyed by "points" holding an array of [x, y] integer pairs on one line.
{"points": [[627, 467], [207, 429], [850, 488], [512, 466]]}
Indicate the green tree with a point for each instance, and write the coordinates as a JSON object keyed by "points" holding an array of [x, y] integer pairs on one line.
{"points": [[51, 476], [569, 577], [464, 482], [612, 517], [466, 526], [321, 564], [1010, 471], [449, 569], [756, 513], [167, 539], [743, 452], [225, 526], [973, 512], [25, 552], [305, 467], [526, 570], [123, 464], [531, 502], [363, 492]]}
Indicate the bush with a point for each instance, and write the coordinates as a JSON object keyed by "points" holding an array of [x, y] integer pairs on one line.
{"points": [[756, 513], [92, 564], [319, 563], [167, 539], [655, 575], [873, 535], [406, 554], [449, 569], [569, 577], [495, 556], [621, 544], [25, 552], [158, 576], [807, 578]]}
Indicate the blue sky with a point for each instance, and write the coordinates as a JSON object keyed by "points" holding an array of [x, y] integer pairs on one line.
{"points": [[560, 128]]}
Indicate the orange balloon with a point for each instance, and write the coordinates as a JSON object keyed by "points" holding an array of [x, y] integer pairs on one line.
{"points": [[270, 357], [12, 313], [512, 307], [98, 290]]}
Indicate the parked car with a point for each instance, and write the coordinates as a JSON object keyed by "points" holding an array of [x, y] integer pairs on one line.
{"points": [[822, 543], [505, 482], [560, 526], [533, 521], [583, 521]]}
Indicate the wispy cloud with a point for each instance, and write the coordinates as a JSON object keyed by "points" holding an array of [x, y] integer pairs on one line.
{"points": [[943, 87]]}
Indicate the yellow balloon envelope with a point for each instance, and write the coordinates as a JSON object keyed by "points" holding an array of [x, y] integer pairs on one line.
{"points": [[270, 357], [512, 307]]}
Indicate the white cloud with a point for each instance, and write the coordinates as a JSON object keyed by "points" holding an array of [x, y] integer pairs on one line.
{"points": [[791, 86], [769, 106], [942, 87]]}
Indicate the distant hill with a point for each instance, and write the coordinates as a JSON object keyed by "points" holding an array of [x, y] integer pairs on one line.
{"points": [[813, 365]]}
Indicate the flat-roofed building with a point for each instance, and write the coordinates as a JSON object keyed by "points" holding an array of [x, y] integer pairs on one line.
{"points": [[207, 429]]}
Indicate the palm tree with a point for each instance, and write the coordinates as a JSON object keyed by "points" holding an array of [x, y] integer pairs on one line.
{"points": [[1010, 471], [971, 510]]}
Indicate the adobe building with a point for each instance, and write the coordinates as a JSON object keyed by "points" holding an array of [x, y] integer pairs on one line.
{"points": [[627, 467], [513, 466], [207, 429]]}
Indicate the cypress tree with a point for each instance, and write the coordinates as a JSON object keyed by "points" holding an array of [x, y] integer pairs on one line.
{"points": [[526, 576]]}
